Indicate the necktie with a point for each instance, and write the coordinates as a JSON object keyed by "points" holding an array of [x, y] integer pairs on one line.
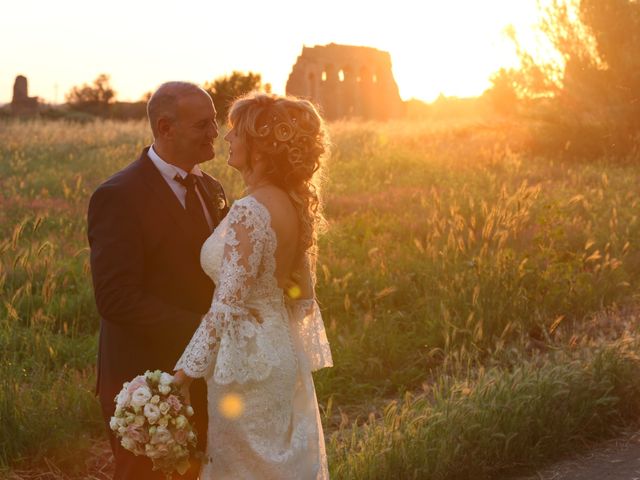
{"points": [[193, 206]]}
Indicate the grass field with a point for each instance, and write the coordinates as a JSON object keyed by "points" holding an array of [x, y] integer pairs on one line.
{"points": [[454, 279]]}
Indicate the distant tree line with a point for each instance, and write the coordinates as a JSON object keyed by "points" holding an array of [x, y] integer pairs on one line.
{"points": [[589, 105], [95, 98], [99, 97]]}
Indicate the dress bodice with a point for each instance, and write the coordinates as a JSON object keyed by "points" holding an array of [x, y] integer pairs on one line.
{"points": [[247, 218], [242, 336]]}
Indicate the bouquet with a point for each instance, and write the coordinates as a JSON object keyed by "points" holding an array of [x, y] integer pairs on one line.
{"points": [[151, 419]]}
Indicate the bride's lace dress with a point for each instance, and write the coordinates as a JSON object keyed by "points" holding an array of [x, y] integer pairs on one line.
{"points": [[257, 352]]}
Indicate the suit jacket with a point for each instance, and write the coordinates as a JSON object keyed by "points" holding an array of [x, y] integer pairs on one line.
{"points": [[145, 261]]}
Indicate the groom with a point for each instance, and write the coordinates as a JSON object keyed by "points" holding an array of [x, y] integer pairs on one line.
{"points": [[147, 224]]}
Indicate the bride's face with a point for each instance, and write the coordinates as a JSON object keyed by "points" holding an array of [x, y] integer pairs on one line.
{"points": [[238, 152]]}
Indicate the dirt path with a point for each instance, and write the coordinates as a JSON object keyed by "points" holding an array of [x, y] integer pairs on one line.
{"points": [[617, 459]]}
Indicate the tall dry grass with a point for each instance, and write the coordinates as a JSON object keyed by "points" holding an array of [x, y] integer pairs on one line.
{"points": [[444, 244]]}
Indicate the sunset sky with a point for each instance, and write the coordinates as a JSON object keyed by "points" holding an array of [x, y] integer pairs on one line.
{"points": [[449, 47]]}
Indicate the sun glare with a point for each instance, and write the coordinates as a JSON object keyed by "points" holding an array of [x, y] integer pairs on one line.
{"points": [[459, 45], [449, 48]]}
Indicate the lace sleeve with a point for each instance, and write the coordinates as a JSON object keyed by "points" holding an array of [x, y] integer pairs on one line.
{"points": [[309, 335], [307, 327], [224, 330]]}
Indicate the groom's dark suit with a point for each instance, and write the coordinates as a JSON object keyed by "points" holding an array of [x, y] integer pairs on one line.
{"points": [[150, 289]]}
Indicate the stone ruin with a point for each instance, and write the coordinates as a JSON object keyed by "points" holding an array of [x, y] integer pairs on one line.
{"points": [[346, 81], [22, 103]]}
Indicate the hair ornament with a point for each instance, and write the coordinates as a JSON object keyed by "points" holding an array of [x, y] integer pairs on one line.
{"points": [[295, 156], [283, 132], [264, 130]]}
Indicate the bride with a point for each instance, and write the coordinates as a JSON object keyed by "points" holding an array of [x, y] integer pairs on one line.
{"points": [[263, 336]]}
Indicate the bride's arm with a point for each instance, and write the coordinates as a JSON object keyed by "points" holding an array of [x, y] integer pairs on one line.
{"points": [[244, 241], [183, 380], [307, 326]]}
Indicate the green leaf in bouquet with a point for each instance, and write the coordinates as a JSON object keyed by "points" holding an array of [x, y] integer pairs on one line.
{"points": [[182, 466]]}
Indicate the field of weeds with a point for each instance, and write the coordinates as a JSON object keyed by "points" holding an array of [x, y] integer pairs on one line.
{"points": [[459, 281]]}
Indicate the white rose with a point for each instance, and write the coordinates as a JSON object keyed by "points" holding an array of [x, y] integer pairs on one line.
{"points": [[164, 408], [162, 435], [191, 436], [152, 412], [189, 410], [151, 451], [122, 400], [113, 423], [166, 379], [181, 421], [155, 399], [164, 389], [128, 443], [141, 396]]}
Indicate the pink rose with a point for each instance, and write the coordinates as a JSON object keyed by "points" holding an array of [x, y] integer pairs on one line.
{"points": [[175, 403], [137, 434], [156, 451], [181, 436], [139, 381]]}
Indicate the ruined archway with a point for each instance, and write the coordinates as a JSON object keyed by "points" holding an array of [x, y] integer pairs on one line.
{"points": [[346, 81]]}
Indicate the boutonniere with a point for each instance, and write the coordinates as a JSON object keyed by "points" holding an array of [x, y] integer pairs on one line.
{"points": [[220, 202]]}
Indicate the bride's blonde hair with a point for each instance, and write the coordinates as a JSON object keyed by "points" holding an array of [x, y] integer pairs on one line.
{"points": [[291, 136]]}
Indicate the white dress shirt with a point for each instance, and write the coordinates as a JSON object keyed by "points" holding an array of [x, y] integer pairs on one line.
{"points": [[169, 171]]}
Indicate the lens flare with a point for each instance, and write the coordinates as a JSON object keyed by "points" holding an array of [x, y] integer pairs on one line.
{"points": [[231, 406], [294, 292]]}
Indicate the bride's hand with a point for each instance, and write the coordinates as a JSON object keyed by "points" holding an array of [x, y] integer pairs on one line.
{"points": [[183, 381]]}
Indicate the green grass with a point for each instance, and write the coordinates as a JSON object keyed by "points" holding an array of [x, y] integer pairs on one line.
{"points": [[443, 244], [505, 418]]}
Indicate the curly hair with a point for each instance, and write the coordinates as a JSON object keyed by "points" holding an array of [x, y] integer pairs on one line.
{"points": [[291, 135]]}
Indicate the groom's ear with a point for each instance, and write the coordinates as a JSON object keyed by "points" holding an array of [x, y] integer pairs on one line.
{"points": [[164, 127]]}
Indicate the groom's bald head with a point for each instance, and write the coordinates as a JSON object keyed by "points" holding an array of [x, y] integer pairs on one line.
{"points": [[183, 120], [165, 100]]}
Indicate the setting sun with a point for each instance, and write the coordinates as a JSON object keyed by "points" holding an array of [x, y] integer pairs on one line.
{"points": [[449, 48], [454, 47]]}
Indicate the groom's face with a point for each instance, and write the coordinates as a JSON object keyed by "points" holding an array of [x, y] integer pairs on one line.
{"points": [[196, 128]]}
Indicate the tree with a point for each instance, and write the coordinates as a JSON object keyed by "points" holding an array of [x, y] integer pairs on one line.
{"points": [[502, 95], [595, 89], [94, 98], [225, 90]]}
